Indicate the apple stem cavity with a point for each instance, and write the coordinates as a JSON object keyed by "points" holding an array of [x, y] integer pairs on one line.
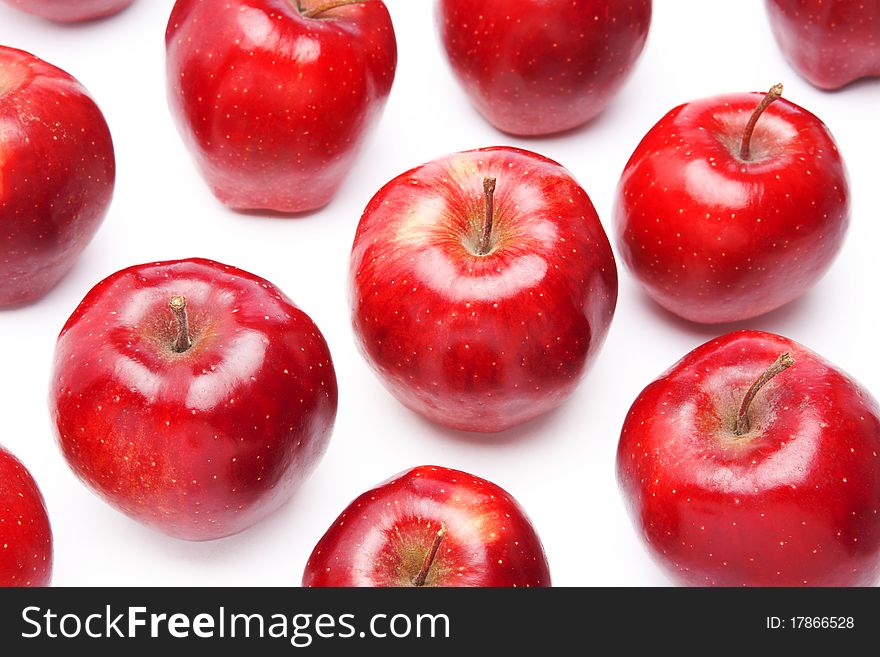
{"points": [[327, 6], [182, 341], [485, 245], [422, 576], [745, 149], [743, 426]]}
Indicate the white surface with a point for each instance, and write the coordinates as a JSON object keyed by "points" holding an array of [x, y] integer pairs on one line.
{"points": [[561, 468]]}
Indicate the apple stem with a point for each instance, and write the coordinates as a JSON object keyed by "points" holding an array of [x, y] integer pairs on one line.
{"points": [[781, 364], [486, 236], [421, 578], [182, 341], [745, 149], [320, 9]]}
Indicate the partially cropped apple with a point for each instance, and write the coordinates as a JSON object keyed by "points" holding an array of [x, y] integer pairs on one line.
{"points": [[71, 11], [535, 67], [25, 533], [275, 97], [57, 172], [193, 396], [829, 42], [430, 526], [482, 285], [732, 206], [755, 462]]}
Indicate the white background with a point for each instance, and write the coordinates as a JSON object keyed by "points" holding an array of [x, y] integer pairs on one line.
{"points": [[561, 468]]}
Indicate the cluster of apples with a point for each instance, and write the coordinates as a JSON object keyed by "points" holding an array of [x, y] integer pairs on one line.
{"points": [[195, 397]]}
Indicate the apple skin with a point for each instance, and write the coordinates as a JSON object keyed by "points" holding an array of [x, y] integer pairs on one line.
{"points": [[382, 538], [57, 173], [713, 238], [71, 11], [482, 342], [830, 43], [25, 533], [537, 67], [792, 502], [200, 444], [275, 105]]}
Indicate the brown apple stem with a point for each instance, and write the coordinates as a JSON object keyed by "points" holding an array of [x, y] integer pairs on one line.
{"points": [[182, 341], [780, 365], [486, 236], [422, 576], [327, 6], [745, 149]]}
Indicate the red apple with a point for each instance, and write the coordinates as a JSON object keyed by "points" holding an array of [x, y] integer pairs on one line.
{"points": [[57, 172], [535, 67], [482, 285], [275, 97], [430, 526], [829, 42], [193, 396], [732, 206], [25, 534], [71, 11], [754, 462]]}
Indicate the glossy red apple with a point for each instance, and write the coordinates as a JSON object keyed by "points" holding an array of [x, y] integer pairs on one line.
{"points": [[57, 172], [275, 97], [829, 42], [71, 11], [482, 284], [535, 67], [732, 206], [754, 462], [193, 396], [430, 526], [25, 533]]}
